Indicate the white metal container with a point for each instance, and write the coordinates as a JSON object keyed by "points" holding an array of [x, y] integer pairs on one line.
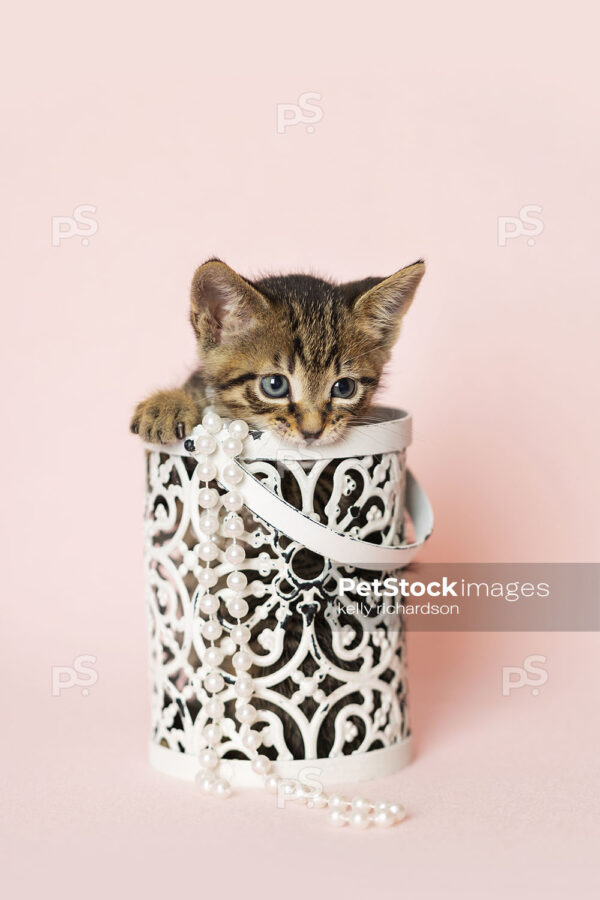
{"points": [[330, 692]]}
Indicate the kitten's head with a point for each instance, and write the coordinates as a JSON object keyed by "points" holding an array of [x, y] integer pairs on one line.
{"points": [[295, 354]]}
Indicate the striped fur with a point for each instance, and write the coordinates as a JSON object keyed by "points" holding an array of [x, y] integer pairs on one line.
{"points": [[311, 331]]}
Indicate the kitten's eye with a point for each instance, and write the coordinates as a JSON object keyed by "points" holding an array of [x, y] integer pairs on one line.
{"points": [[344, 388], [275, 385]]}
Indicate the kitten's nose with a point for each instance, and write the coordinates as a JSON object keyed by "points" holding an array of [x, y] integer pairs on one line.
{"points": [[310, 423], [311, 435]]}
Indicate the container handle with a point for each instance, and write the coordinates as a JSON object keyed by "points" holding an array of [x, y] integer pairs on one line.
{"points": [[341, 548]]}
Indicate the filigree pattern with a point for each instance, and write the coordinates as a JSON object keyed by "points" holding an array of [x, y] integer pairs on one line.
{"points": [[326, 683]]}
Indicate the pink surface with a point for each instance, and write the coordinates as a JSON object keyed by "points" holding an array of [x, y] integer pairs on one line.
{"points": [[436, 120]]}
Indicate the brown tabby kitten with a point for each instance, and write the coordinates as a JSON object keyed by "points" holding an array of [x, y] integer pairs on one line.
{"points": [[293, 354]]}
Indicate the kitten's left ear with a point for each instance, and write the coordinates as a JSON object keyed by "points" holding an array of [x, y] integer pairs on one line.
{"points": [[380, 309], [222, 302]]}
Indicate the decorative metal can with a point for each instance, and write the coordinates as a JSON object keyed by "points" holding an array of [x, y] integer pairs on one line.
{"points": [[246, 541]]}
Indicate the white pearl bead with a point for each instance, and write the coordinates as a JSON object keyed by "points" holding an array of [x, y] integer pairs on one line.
{"points": [[211, 630], [261, 765], [233, 527], [238, 429], [318, 802], [240, 634], [243, 691], [233, 501], [237, 607], [215, 708], [303, 793], [209, 523], [232, 446], [360, 820], [209, 604], [235, 554], [337, 818], [252, 740], [207, 498], [290, 787], [246, 714], [241, 661], [206, 780], [208, 759], [206, 444], [214, 682], [206, 471], [207, 578], [397, 810], [384, 819], [336, 801], [211, 421], [272, 784], [221, 788], [232, 473], [213, 656], [208, 551], [361, 804], [236, 581], [212, 734]]}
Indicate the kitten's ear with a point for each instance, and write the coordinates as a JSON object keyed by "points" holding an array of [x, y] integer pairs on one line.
{"points": [[380, 307], [222, 302]]}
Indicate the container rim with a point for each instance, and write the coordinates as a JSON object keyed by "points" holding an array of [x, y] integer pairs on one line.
{"points": [[390, 433]]}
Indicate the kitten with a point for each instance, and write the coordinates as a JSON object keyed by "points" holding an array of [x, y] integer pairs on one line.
{"points": [[293, 354]]}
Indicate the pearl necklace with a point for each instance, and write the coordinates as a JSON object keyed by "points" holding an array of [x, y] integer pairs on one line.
{"points": [[358, 812]]}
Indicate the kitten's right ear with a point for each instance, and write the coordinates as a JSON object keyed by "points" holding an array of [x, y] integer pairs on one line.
{"points": [[222, 302], [380, 309]]}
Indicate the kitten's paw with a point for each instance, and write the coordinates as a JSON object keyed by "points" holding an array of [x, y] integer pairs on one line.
{"points": [[165, 417]]}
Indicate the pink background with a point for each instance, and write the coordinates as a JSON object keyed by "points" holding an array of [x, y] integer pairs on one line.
{"points": [[437, 118]]}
